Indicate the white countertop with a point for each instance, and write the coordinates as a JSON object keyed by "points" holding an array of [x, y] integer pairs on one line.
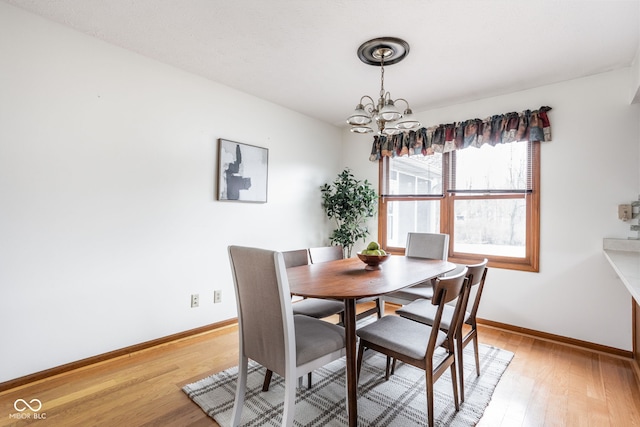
{"points": [[624, 257]]}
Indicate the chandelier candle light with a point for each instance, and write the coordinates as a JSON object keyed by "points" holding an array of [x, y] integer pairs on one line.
{"points": [[382, 51]]}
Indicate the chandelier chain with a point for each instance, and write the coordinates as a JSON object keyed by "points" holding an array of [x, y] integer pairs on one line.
{"points": [[382, 77]]}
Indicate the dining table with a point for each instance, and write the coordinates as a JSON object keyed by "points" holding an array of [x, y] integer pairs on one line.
{"points": [[348, 280]]}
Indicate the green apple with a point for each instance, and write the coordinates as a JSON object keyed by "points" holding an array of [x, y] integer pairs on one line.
{"points": [[373, 246]]}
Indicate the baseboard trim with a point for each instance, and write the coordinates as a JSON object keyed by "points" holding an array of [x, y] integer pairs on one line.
{"points": [[17, 382], [636, 368], [559, 339]]}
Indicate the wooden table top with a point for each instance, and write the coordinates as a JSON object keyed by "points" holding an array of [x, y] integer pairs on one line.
{"points": [[347, 278]]}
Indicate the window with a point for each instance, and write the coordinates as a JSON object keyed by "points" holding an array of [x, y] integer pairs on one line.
{"points": [[415, 186], [485, 198]]}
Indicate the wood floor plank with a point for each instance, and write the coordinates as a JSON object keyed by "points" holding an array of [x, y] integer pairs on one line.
{"points": [[546, 384], [573, 387]]}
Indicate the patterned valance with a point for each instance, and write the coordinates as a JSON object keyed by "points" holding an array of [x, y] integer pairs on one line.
{"points": [[529, 125]]}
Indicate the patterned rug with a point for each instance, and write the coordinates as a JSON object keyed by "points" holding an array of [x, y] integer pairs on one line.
{"points": [[401, 401]]}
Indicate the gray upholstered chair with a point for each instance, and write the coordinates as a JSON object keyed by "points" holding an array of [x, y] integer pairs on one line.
{"points": [[420, 245], [270, 334], [326, 253], [416, 343], [332, 253], [423, 311], [312, 307]]}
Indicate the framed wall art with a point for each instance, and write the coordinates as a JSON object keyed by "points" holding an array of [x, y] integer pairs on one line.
{"points": [[242, 172]]}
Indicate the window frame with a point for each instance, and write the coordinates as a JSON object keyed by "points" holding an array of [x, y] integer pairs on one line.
{"points": [[531, 260]]}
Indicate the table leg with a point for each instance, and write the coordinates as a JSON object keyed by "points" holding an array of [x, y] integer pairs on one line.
{"points": [[352, 386]]}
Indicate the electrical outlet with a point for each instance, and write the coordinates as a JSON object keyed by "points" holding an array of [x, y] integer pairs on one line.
{"points": [[195, 300], [624, 212], [217, 297]]}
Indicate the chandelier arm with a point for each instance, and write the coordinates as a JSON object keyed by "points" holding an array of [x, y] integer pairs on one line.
{"points": [[403, 100], [369, 98]]}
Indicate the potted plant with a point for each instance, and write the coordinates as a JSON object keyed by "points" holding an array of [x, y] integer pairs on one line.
{"points": [[349, 202]]}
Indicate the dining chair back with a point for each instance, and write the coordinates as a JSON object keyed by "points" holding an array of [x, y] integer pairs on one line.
{"points": [[326, 253], [295, 258], [423, 311], [333, 253], [415, 343], [269, 333], [427, 245], [479, 277], [421, 245]]}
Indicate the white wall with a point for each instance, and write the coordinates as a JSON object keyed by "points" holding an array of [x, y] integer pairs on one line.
{"points": [[592, 165], [635, 78], [108, 220], [635, 85]]}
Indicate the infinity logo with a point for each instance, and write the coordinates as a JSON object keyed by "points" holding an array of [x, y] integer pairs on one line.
{"points": [[21, 405]]}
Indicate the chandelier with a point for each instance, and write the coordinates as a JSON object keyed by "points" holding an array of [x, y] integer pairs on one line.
{"points": [[389, 120]]}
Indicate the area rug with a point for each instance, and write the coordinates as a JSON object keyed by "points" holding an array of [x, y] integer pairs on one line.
{"points": [[401, 401]]}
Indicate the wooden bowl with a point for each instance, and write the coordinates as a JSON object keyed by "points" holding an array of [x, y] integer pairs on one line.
{"points": [[373, 261]]}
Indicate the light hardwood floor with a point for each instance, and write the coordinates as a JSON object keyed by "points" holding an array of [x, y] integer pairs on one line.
{"points": [[546, 384]]}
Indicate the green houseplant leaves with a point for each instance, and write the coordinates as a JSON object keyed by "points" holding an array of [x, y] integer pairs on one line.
{"points": [[349, 202]]}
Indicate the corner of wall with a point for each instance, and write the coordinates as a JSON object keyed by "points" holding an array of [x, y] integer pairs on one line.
{"points": [[635, 79]]}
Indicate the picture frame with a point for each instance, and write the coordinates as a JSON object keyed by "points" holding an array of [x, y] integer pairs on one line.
{"points": [[243, 171]]}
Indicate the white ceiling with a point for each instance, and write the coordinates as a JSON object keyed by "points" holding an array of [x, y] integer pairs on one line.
{"points": [[301, 54]]}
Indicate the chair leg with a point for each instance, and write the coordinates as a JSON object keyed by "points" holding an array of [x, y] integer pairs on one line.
{"points": [[386, 371], [429, 375], [267, 380], [241, 387], [309, 380], [454, 382], [359, 361], [475, 350], [380, 307], [289, 400], [460, 362]]}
